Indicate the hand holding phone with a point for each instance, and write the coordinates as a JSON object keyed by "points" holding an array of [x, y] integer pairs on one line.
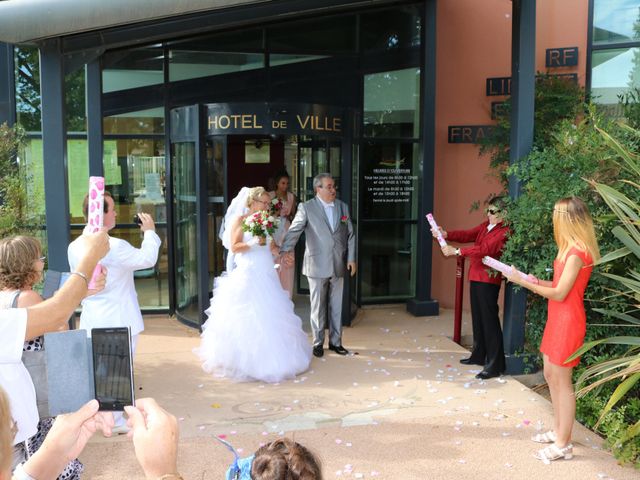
{"points": [[155, 437], [112, 367]]}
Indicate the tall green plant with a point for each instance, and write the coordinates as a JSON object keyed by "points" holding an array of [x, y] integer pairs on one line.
{"points": [[557, 99], [15, 215], [624, 368]]}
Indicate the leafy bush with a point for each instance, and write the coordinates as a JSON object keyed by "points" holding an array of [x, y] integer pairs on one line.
{"points": [[15, 215], [556, 99], [577, 152]]}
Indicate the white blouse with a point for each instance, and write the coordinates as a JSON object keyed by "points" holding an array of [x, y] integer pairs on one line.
{"points": [[14, 377]]}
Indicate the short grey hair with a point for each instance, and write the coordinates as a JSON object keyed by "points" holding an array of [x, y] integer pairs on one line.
{"points": [[317, 180]]}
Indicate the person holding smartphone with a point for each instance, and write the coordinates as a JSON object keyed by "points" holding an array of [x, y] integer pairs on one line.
{"points": [[20, 324], [117, 305]]}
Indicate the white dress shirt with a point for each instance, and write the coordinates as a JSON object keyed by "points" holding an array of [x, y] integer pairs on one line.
{"points": [[117, 305], [329, 211], [14, 377]]}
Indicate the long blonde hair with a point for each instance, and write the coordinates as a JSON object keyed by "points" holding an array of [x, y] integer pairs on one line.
{"points": [[573, 226]]}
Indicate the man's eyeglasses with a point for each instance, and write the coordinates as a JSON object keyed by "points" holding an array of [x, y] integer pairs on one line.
{"points": [[492, 211], [329, 187]]}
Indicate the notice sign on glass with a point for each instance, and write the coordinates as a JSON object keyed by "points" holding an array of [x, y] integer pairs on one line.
{"points": [[390, 185], [256, 151]]}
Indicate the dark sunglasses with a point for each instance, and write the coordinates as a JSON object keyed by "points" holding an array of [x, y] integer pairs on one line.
{"points": [[493, 211]]}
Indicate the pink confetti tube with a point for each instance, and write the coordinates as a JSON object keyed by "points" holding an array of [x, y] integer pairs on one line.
{"points": [[503, 267], [436, 228], [95, 218]]}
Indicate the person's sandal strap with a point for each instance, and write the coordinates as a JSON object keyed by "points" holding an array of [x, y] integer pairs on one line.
{"points": [[546, 437], [553, 452]]}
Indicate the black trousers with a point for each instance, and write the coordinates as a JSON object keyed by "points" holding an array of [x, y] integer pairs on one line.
{"points": [[488, 346]]}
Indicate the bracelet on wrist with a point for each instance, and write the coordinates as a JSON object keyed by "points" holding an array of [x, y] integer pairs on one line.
{"points": [[82, 276]]}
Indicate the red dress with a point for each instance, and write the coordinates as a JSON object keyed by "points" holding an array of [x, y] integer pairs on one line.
{"points": [[567, 320]]}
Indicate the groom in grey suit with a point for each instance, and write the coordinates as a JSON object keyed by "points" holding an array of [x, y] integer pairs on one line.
{"points": [[329, 251]]}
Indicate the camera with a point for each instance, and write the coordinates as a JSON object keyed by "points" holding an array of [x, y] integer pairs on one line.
{"points": [[136, 219]]}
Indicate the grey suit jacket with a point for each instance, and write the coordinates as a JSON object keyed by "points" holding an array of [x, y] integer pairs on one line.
{"points": [[327, 251]]}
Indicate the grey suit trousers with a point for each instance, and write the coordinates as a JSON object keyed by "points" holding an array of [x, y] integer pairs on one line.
{"points": [[326, 292]]}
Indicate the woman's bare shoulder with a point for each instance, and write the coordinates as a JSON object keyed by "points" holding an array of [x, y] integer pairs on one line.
{"points": [[28, 298]]}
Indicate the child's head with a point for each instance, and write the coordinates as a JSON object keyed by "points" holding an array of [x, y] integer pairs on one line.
{"points": [[285, 459], [572, 225]]}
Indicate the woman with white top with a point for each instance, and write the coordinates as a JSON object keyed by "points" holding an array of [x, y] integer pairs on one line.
{"points": [[19, 324]]}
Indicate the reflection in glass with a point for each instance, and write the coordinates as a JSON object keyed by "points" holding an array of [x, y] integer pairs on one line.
{"points": [[185, 64], [125, 69], [615, 72], [27, 81], [616, 21], [387, 266], [392, 103], [320, 35], [276, 59], [215, 209], [141, 121], [390, 29], [185, 249]]}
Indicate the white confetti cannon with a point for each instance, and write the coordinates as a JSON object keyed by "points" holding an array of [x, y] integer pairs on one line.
{"points": [[95, 215], [436, 228], [503, 268]]}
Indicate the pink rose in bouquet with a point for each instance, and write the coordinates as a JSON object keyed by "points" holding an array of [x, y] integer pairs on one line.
{"points": [[260, 224]]}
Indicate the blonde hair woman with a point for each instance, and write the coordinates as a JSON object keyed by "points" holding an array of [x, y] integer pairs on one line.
{"points": [[566, 319], [252, 332]]}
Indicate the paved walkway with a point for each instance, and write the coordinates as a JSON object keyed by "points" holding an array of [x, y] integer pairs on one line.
{"points": [[401, 408]]}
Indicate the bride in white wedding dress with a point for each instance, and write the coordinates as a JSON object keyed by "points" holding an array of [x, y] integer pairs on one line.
{"points": [[252, 332]]}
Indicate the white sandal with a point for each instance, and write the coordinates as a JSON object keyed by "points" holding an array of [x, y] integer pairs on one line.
{"points": [[553, 452], [546, 437]]}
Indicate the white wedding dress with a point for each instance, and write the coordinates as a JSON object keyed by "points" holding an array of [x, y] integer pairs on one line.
{"points": [[252, 332]]}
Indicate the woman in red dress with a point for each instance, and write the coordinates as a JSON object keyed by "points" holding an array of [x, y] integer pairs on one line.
{"points": [[566, 319]]}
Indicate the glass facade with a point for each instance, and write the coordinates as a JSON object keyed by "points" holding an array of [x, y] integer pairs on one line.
{"points": [[615, 52], [367, 63]]}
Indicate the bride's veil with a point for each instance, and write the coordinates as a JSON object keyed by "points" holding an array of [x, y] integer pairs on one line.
{"points": [[237, 208]]}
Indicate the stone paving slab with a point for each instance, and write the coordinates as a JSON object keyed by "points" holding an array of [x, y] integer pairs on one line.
{"points": [[402, 407]]}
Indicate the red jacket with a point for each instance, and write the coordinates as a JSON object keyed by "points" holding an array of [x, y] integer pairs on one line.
{"points": [[484, 243]]}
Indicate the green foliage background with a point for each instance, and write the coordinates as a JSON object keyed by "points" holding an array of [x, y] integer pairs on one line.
{"points": [[568, 151]]}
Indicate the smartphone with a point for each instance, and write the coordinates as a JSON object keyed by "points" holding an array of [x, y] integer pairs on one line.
{"points": [[112, 367]]}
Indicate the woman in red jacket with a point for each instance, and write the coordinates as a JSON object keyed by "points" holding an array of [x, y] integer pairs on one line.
{"points": [[488, 239]]}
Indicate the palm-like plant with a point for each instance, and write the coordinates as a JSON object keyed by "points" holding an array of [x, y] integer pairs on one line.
{"points": [[626, 368]]}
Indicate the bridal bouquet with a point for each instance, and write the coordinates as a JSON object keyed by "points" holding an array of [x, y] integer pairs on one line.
{"points": [[260, 224], [276, 206]]}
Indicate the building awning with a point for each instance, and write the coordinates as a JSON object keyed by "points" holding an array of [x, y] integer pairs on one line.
{"points": [[29, 21]]}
